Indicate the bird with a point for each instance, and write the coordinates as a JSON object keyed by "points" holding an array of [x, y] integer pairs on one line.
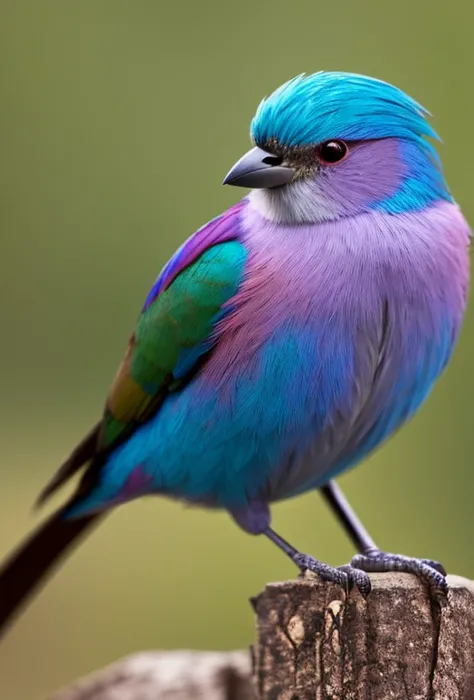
{"points": [[286, 339]]}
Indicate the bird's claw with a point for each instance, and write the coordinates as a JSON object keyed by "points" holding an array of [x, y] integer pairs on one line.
{"points": [[432, 573], [436, 565], [355, 574], [346, 576], [357, 578]]}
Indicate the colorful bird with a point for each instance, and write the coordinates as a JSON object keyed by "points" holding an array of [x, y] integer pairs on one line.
{"points": [[288, 337]]}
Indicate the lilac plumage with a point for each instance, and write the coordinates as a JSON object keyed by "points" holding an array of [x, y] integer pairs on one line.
{"points": [[337, 335], [346, 316], [291, 335]]}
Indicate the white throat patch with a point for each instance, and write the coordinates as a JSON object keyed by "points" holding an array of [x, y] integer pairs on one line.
{"points": [[300, 202]]}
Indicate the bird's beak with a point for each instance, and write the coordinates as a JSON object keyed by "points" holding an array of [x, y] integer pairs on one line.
{"points": [[258, 169]]}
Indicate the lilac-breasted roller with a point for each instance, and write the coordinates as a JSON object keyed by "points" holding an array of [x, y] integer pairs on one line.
{"points": [[287, 338]]}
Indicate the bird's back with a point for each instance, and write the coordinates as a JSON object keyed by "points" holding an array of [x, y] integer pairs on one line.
{"points": [[335, 337]]}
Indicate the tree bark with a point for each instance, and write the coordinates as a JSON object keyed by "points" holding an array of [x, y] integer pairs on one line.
{"points": [[174, 675], [315, 643]]}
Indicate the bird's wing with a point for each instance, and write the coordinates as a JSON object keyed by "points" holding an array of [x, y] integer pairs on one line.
{"points": [[174, 333]]}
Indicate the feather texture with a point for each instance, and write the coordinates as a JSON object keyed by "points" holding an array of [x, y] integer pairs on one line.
{"points": [[287, 338], [173, 332], [337, 334], [310, 109]]}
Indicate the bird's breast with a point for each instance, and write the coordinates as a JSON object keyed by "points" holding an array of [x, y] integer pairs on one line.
{"points": [[338, 334], [333, 340]]}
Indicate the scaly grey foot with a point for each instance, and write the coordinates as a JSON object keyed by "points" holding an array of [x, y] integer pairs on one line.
{"points": [[432, 573], [346, 576]]}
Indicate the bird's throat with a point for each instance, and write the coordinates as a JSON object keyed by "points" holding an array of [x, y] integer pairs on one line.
{"points": [[300, 202]]}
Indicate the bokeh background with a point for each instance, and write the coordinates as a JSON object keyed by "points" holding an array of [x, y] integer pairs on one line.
{"points": [[118, 121]]}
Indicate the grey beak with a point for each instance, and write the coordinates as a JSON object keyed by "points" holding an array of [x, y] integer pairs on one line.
{"points": [[258, 169]]}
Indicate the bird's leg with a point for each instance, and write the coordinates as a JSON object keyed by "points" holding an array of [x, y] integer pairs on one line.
{"points": [[371, 558], [346, 576], [255, 519], [348, 518]]}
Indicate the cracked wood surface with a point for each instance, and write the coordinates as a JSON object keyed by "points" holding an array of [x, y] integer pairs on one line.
{"points": [[313, 643]]}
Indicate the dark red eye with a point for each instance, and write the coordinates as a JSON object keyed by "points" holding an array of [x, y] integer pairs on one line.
{"points": [[331, 152]]}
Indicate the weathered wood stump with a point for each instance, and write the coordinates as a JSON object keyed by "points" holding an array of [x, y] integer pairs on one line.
{"points": [[312, 642], [315, 643]]}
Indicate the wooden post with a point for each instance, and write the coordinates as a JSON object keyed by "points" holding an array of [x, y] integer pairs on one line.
{"points": [[313, 643]]}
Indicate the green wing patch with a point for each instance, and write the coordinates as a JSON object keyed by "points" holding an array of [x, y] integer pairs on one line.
{"points": [[171, 335]]}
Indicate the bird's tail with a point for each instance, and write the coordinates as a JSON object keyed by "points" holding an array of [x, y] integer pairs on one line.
{"points": [[27, 566]]}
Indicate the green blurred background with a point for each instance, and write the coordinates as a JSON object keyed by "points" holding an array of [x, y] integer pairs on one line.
{"points": [[118, 122]]}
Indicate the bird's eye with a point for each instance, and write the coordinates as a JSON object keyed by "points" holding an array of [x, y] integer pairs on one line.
{"points": [[331, 152]]}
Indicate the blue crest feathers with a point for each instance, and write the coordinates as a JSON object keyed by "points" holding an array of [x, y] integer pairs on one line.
{"points": [[313, 108]]}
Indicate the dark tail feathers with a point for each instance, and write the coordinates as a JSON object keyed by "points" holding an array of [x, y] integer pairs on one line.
{"points": [[27, 566]]}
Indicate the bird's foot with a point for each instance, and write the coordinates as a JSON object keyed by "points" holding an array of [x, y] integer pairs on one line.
{"points": [[431, 573], [346, 576]]}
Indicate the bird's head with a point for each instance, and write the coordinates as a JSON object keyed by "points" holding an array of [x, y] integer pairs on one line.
{"points": [[332, 144]]}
